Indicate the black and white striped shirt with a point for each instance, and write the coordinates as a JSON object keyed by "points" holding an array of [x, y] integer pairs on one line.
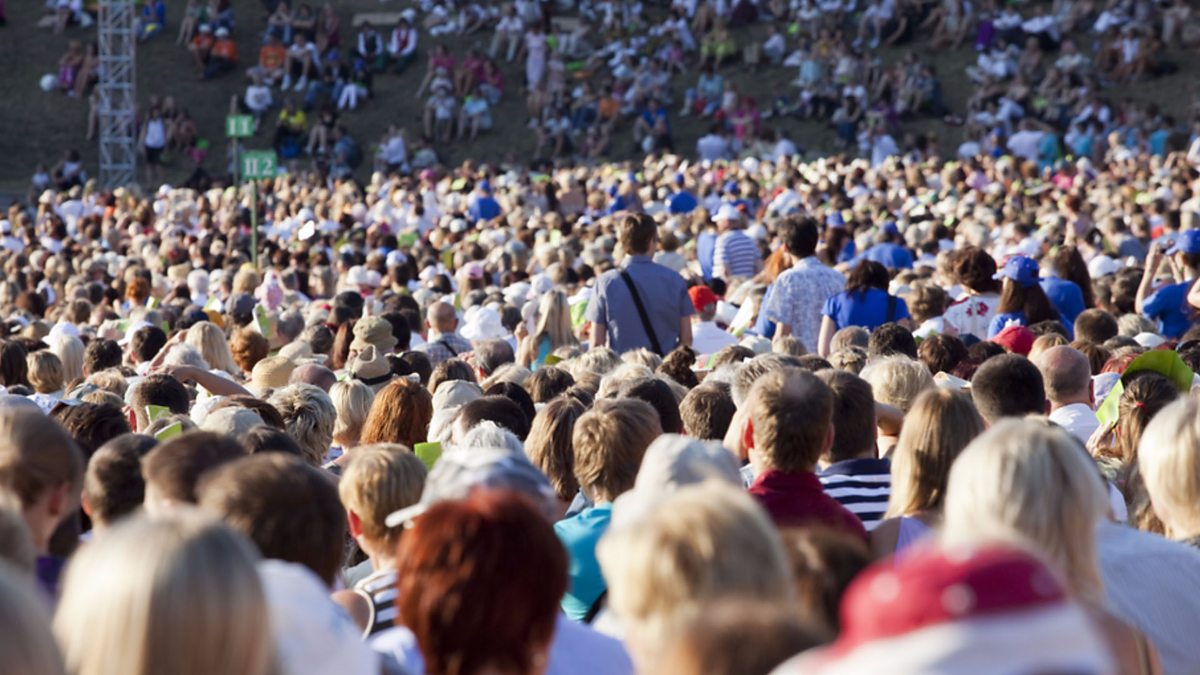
{"points": [[736, 256], [861, 485]]}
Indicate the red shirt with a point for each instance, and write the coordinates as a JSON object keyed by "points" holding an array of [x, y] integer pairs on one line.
{"points": [[797, 499]]}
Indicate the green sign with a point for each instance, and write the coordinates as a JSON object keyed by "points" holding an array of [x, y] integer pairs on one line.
{"points": [[258, 164], [239, 126]]}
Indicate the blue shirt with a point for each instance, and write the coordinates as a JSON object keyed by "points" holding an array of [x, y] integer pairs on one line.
{"points": [[579, 536], [868, 309], [1066, 297], [891, 256], [1168, 306], [484, 208], [1001, 320], [706, 250], [663, 293], [682, 202]]}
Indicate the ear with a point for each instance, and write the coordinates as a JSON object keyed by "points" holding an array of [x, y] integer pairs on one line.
{"points": [[1046, 406], [85, 505], [355, 524], [748, 434], [58, 503]]}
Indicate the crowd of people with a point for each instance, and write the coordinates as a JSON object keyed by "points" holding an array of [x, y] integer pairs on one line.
{"points": [[734, 414], [724, 417]]}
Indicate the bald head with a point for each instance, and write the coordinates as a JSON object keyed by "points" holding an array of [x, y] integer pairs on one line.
{"points": [[441, 317], [1067, 374], [314, 374]]}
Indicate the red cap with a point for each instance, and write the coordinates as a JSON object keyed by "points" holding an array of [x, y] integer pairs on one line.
{"points": [[1016, 339], [702, 296], [932, 587]]}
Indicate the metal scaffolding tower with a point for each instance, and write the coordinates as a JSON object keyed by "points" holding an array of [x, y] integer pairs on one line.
{"points": [[118, 99]]}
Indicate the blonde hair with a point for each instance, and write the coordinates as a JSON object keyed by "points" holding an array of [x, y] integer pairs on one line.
{"points": [[36, 454], [180, 595], [69, 350], [45, 372], [643, 357], [609, 441], [1030, 482], [553, 324], [1046, 342], [610, 384], [351, 402], [700, 544], [110, 380], [25, 637], [378, 480], [308, 417], [942, 422], [599, 360], [212, 344], [897, 380], [1169, 461]]}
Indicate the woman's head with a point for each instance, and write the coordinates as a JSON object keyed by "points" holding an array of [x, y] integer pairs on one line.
{"points": [[1169, 461], [897, 380], [25, 638], [549, 444], [976, 270], [352, 402], [69, 350], [701, 544], [1030, 482], [867, 274], [400, 414], [45, 372], [1142, 399], [180, 595], [940, 424], [480, 584], [208, 339]]}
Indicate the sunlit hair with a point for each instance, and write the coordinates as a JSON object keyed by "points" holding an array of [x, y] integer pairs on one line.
{"points": [[897, 380], [480, 584], [210, 341], [352, 402], [180, 595], [1030, 482], [400, 414], [701, 544], [548, 445], [1169, 460], [941, 423], [45, 372], [25, 638], [69, 350], [378, 480], [553, 323], [308, 415]]}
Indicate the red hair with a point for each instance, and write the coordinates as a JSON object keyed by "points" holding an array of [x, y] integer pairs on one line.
{"points": [[480, 583]]}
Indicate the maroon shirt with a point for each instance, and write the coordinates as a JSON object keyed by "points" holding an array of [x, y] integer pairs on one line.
{"points": [[797, 499]]}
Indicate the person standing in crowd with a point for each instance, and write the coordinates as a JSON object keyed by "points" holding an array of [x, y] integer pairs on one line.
{"points": [[641, 305], [442, 341], [865, 302], [1022, 301], [1168, 304], [707, 336], [1068, 381], [852, 473], [736, 255], [797, 298], [974, 271]]}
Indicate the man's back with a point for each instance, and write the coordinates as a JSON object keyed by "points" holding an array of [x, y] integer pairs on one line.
{"points": [[798, 296], [796, 499], [663, 294]]}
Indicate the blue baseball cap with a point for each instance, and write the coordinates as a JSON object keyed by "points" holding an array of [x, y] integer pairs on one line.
{"points": [[1022, 270], [1187, 242], [890, 228]]}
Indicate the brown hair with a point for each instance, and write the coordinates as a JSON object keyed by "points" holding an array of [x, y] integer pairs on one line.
{"points": [[937, 428], [378, 480], [549, 444], [707, 411], [480, 583], [792, 413], [450, 370], [635, 232], [853, 414], [736, 637], [548, 382], [609, 441], [824, 562], [400, 414], [248, 347], [290, 510], [174, 467], [36, 454], [45, 372]]}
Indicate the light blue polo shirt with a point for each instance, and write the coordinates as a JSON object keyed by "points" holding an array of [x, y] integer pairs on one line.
{"points": [[579, 535]]}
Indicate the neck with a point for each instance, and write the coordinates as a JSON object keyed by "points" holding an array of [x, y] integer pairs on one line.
{"points": [[1083, 399]]}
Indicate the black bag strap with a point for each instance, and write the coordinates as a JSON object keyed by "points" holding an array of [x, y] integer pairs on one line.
{"points": [[641, 310], [594, 610], [446, 344], [891, 308]]}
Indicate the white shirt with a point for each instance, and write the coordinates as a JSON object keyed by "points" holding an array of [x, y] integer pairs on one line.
{"points": [[882, 147], [708, 338], [712, 147], [1154, 584], [1025, 144], [1077, 418]]}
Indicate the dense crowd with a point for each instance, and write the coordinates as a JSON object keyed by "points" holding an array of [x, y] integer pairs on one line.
{"points": [[733, 414], [714, 417]]}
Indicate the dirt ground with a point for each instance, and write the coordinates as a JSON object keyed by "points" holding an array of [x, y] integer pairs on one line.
{"points": [[39, 126]]}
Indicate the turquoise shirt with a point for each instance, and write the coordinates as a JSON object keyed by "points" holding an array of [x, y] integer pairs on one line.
{"points": [[579, 535]]}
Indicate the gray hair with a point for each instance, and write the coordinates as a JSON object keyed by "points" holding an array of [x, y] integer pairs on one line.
{"points": [[308, 416], [488, 434]]}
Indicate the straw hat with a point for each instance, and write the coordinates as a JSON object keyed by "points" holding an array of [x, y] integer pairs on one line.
{"points": [[271, 373], [373, 331]]}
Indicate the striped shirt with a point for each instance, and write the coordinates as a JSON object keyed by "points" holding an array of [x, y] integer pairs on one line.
{"points": [[379, 590], [736, 256], [861, 485]]}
